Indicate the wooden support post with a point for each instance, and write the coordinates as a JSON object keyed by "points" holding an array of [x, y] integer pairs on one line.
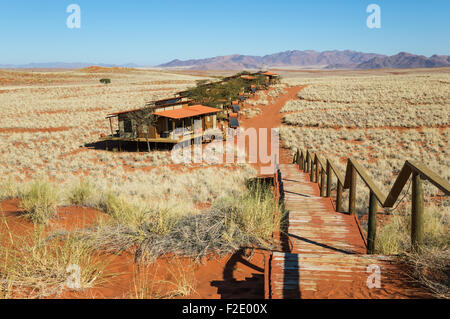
{"points": [[137, 145], [110, 125], [120, 146], [352, 195], [329, 179], [107, 148], [316, 178], [339, 197], [311, 170], [322, 182], [416, 212], [372, 223], [307, 163]]}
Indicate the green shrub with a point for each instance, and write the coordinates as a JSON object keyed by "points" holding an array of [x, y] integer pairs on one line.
{"points": [[105, 81]]}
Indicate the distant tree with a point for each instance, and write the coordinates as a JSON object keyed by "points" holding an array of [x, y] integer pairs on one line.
{"points": [[143, 118], [105, 81]]}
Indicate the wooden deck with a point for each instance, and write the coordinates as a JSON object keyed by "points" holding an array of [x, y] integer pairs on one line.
{"points": [[326, 256]]}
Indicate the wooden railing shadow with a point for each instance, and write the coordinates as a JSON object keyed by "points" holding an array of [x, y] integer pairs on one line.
{"points": [[250, 288]]}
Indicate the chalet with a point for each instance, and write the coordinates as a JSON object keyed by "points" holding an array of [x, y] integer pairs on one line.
{"points": [[270, 77], [158, 121]]}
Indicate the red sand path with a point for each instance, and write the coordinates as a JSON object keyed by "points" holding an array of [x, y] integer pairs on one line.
{"points": [[270, 117]]}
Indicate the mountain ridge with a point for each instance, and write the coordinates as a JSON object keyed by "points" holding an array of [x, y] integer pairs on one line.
{"points": [[332, 59]]}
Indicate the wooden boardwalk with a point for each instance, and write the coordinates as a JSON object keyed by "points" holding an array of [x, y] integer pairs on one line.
{"points": [[326, 255]]}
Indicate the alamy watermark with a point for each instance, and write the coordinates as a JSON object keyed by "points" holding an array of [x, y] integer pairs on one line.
{"points": [[73, 281], [74, 19], [231, 148], [374, 19], [374, 279]]}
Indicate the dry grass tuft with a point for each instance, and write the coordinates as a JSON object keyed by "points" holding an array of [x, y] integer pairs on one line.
{"points": [[82, 193], [33, 266], [39, 200], [182, 282]]}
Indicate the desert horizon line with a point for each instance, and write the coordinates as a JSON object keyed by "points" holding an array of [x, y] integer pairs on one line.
{"points": [[82, 64]]}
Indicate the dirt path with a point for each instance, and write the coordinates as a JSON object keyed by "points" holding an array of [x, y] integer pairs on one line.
{"points": [[270, 117]]}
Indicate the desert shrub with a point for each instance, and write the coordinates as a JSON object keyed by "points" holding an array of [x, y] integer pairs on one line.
{"points": [[232, 222], [35, 266], [39, 201], [131, 222], [81, 193], [105, 81], [254, 212]]}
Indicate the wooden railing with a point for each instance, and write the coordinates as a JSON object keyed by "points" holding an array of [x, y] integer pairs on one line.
{"points": [[322, 173]]}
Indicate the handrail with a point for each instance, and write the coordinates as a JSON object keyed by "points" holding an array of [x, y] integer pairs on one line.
{"points": [[352, 163], [411, 168], [313, 164]]}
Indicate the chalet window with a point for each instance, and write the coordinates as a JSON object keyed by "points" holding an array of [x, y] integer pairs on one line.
{"points": [[127, 126]]}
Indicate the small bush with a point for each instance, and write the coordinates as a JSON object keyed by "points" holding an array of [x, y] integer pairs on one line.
{"points": [[105, 81], [81, 193], [233, 223], [39, 201]]}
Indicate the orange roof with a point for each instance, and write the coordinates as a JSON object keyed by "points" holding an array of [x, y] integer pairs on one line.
{"points": [[248, 77], [233, 115], [234, 102], [270, 73], [189, 111]]}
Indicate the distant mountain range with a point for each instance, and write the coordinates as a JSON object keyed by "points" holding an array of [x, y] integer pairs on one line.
{"points": [[335, 59], [312, 59], [62, 65]]}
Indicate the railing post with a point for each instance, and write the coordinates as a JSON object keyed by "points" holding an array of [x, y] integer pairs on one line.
{"points": [[311, 169], [322, 182], [329, 179], [316, 163], [372, 223], [416, 212], [352, 194], [307, 162], [301, 162], [339, 197]]}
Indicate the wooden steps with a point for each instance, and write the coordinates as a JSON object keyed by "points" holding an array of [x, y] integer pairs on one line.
{"points": [[327, 252]]}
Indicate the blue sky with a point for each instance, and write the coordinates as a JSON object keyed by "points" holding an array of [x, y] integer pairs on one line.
{"points": [[150, 32]]}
